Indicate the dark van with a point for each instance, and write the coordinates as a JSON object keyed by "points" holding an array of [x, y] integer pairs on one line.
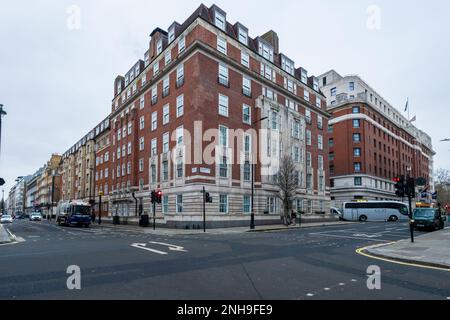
{"points": [[428, 218]]}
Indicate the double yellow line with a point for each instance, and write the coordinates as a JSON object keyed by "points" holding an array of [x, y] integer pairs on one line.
{"points": [[362, 252]]}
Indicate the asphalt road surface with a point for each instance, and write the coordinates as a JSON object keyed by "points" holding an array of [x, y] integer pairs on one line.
{"points": [[312, 263]]}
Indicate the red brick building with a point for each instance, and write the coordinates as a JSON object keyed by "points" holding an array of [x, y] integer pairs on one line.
{"points": [[208, 74], [370, 142]]}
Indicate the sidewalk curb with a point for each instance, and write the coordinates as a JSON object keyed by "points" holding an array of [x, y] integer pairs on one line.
{"points": [[303, 226], [11, 237], [367, 251]]}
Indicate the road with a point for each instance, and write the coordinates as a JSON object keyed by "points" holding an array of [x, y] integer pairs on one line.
{"points": [[312, 263]]}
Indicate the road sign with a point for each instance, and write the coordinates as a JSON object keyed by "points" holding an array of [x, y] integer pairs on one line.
{"points": [[2, 182]]}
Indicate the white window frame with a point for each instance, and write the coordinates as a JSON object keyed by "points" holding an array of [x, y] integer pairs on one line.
{"points": [[223, 105], [166, 114], [222, 45]]}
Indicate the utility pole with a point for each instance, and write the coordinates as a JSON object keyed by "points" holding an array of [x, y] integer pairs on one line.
{"points": [[410, 190], [2, 113], [204, 209], [100, 207]]}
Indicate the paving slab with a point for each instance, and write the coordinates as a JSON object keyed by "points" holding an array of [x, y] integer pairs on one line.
{"points": [[432, 249]]}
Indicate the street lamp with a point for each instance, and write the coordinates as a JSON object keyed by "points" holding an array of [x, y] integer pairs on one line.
{"points": [[252, 217], [2, 113]]}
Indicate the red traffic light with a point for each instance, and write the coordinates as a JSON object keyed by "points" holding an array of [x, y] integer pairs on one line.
{"points": [[159, 193], [396, 179]]}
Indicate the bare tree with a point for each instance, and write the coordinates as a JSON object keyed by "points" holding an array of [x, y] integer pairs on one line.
{"points": [[443, 186], [287, 182], [442, 176]]}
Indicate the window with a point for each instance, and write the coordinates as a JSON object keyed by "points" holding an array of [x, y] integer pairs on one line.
{"points": [[320, 142], [319, 122], [180, 169], [304, 76], [247, 143], [221, 45], [289, 84], [141, 123], [220, 20], [166, 87], [154, 95], [166, 142], [357, 166], [295, 132], [118, 171], [179, 133], [266, 51], [287, 65], [154, 120], [168, 57], [247, 204], [243, 36], [128, 149], [274, 120], [246, 87], [309, 181], [171, 34], [272, 205], [180, 76], [223, 136], [166, 115], [153, 173], [123, 170], [358, 181], [165, 204], [356, 123], [129, 167], [356, 110], [356, 137], [267, 72], [129, 128], [308, 116], [223, 203], [316, 84], [320, 162], [245, 59], [246, 114], [357, 152], [142, 103], [351, 86], [106, 156], [308, 159], [154, 147], [141, 144], [331, 142], [306, 95], [318, 102], [247, 171], [165, 168], [308, 137], [155, 68], [223, 105], [331, 156], [179, 203], [333, 92], [118, 153], [223, 75], [223, 167], [180, 106], [159, 46], [182, 45], [296, 153]]}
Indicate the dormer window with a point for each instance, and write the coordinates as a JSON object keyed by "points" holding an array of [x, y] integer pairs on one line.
{"points": [[243, 36], [220, 20], [119, 87], [171, 34], [304, 76], [127, 80], [159, 46], [287, 65], [147, 59], [316, 84], [266, 51]]}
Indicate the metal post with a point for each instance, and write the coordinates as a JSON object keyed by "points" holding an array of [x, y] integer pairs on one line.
{"points": [[154, 215], [2, 113], [252, 218], [53, 194], [410, 190], [100, 209], [204, 209]]}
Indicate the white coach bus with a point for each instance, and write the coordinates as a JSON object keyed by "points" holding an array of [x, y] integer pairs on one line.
{"points": [[375, 211]]}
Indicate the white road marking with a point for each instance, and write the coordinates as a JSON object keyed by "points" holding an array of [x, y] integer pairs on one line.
{"points": [[172, 247], [354, 280], [348, 237], [326, 289], [309, 295], [342, 284], [143, 246]]}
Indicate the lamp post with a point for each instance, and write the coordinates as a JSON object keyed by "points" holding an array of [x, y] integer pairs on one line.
{"points": [[3, 201], [252, 216], [2, 113]]}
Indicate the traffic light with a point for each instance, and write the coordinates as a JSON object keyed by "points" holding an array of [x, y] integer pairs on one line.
{"points": [[410, 188], [208, 198], [153, 197], [400, 186], [158, 197]]}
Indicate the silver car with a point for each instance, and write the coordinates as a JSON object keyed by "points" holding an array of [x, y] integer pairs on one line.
{"points": [[6, 219], [35, 216]]}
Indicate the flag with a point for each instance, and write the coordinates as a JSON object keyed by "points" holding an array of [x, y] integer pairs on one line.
{"points": [[407, 103], [413, 119]]}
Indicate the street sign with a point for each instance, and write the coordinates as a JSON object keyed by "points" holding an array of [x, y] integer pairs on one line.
{"points": [[2, 182]]}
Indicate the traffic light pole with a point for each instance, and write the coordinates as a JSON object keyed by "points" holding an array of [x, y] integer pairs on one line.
{"points": [[154, 215], [204, 209], [410, 190]]}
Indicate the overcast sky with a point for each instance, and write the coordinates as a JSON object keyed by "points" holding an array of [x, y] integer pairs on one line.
{"points": [[56, 82]]}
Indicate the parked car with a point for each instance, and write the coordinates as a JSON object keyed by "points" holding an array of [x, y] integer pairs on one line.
{"points": [[35, 216], [428, 218], [6, 219]]}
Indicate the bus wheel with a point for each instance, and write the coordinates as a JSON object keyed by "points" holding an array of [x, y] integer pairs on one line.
{"points": [[363, 218], [393, 218]]}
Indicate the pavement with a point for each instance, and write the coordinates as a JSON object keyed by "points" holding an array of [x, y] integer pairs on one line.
{"points": [[4, 236], [315, 263], [430, 249]]}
